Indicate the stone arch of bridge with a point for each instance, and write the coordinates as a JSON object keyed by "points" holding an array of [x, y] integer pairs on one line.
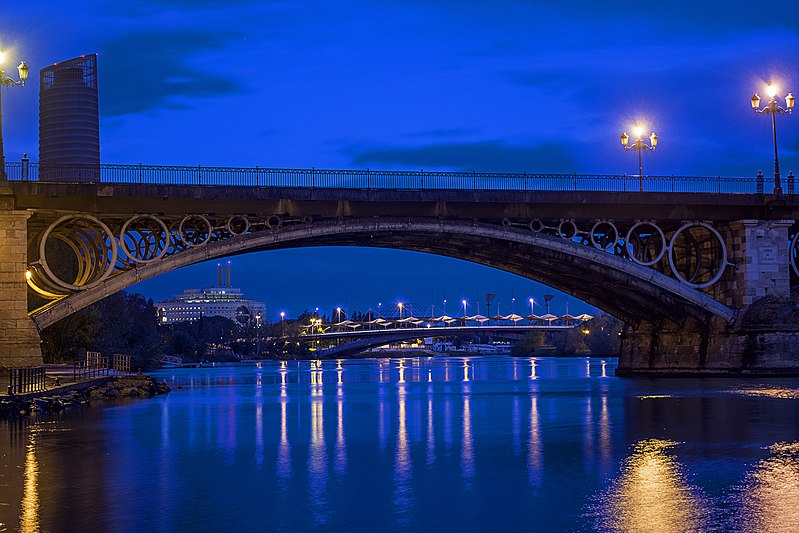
{"points": [[618, 286]]}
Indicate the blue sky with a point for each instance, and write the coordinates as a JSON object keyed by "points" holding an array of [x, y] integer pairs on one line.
{"points": [[509, 85]]}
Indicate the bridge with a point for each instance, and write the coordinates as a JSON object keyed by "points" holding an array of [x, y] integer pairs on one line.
{"points": [[361, 340], [698, 268]]}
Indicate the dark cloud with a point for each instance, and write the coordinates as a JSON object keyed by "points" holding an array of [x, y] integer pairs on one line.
{"points": [[150, 70], [478, 156]]}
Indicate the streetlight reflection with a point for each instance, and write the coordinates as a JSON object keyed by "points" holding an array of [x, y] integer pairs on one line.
{"points": [[651, 494]]}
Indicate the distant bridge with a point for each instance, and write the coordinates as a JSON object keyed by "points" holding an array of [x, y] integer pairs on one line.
{"points": [[360, 341]]}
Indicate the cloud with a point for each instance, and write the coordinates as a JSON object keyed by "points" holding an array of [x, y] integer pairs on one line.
{"points": [[477, 156], [150, 70]]}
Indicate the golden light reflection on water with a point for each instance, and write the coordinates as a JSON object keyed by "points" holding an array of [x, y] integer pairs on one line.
{"points": [[29, 515], [651, 495], [769, 392], [769, 499]]}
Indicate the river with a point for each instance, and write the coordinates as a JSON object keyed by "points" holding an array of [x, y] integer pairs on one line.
{"points": [[443, 443]]}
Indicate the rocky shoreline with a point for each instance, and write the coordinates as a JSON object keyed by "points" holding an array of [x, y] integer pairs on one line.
{"points": [[139, 386]]}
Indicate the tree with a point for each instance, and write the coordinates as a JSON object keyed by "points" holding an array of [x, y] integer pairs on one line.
{"points": [[531, 342], [603, 337], [121, 323], [569, 342]]}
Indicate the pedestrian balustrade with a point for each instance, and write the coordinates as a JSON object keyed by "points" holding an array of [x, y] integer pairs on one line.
{"points": [[95, 365], [26, 379]]}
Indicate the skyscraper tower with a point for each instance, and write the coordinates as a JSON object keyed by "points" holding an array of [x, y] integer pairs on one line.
{"points": [[69, 121]]}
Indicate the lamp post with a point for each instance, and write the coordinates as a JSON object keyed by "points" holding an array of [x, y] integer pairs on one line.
{"points": [[399, 306], [464, 310], [338, 314], [283, 323], [773, 109], [6, 81], [639, 146]]}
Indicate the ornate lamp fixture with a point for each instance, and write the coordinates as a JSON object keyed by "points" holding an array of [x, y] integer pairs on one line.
{"points": [[639, 146], [6, 81], [773, 109]]}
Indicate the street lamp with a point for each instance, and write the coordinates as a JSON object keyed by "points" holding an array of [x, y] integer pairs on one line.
{"points": [[773, 109], [283, 323], [6, 81], [338, 313], [399, 305], [639, 146], [464, 310]]}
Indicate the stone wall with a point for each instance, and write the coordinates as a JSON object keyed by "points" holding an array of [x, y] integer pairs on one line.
{"points": [[19, 340]]}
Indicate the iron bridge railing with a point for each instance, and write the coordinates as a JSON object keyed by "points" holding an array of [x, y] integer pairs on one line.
{"points": [[380, 179], [27, 379]]}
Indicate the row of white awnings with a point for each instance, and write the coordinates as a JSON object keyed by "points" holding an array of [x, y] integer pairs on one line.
{"points": [[513, 317]]}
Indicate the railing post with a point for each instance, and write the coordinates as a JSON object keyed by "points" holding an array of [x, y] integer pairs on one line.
{"points": [[791, 182], [24, 170], [575, 181], [759, 182], [474, 180], [199, 172], [257, 176], [718, 184], [313, 177], [368, 180], [141, 178]]}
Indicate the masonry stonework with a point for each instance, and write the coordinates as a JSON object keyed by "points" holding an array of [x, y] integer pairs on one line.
{"points": [[19, 340], [764, 337]]}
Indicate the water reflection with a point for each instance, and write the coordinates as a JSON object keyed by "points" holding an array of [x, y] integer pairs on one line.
{"points": [[651, 494], [439, 443], [467, 442], [284, 448], [341, 446], [402, 456], [431, 435], [769, 498], [317, 454], [535, 456], [29, 519]]}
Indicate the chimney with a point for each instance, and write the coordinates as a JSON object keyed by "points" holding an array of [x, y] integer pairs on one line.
{"points": [[227, 274], [218, 274]]}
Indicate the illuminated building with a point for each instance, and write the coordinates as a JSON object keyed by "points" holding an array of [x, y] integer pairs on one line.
{"points": [[220, 300], [69, 121]]}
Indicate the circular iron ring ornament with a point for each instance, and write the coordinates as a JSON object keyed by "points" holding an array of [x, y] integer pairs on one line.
{"points": [[601, 235], [723, 263], [191, 233], [274, 222], [536, 225], [148, 250], [631, 234], [794, 251], [94, 276], [238, 225], [564, 223]]}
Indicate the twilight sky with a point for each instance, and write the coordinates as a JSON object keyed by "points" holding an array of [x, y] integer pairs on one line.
{"points": [[506, 85]]}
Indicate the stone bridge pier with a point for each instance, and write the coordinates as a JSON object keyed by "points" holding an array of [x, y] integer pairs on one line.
{"points": [[19, 339], [763, 337]]}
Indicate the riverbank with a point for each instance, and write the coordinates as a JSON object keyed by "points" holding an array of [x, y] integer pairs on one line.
{"points": [[81, 394]]}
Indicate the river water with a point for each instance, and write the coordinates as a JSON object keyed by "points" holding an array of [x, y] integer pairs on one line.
{"points": [[443, 443]]}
